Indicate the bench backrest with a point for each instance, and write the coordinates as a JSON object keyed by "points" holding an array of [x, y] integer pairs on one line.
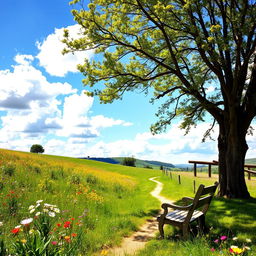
{"points": [[202, 199]]}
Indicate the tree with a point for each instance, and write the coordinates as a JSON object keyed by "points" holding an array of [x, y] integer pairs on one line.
{"points": [[129, 161], [37, 148], [199, 55]]}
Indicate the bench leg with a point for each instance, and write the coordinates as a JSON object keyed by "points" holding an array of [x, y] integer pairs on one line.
{"points": [[201, 223], [161, 229], [185, 231]]}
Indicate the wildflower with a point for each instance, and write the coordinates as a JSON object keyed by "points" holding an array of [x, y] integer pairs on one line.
{"points": [[236, 250], [223, 238], [26, 221], [38, 213], [67, 224], [248, 240], [1, 223], [54, 242], [73, 234], [15, 231], [104, 252], [32, 210], [23, 241], [31, 231], [212, 249], [58, 224], [51, 214], [57, 210], [235, 238], [39, 201], [216, 241], [67, 238], [31, 207], [247, 248]]}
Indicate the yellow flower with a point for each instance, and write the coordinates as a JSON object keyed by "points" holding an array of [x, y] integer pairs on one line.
{"points": [[104, 252], [23, 241]]}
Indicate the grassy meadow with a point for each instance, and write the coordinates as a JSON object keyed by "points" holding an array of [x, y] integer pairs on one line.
{"points": [[54, 205], [102, 202]]}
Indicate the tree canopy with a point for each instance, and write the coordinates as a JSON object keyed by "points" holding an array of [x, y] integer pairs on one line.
{"points": [[37, 148], [199, 55]]}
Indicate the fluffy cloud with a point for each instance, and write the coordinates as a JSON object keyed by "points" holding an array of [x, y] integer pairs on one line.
{"points": [[34, 109], [172, 146], [51, 57]]}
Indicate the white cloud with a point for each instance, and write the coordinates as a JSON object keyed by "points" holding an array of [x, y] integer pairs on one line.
{"points": [[51, 57]]}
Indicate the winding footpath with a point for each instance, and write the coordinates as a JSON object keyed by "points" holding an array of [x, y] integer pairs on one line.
{"points": [[130, 245]]}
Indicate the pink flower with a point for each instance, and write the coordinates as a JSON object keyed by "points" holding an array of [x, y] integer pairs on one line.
{"points": [[223, 238], [54, 242], [212, 249], [216, 241]]}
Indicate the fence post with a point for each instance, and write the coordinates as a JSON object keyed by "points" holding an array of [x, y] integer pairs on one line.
{"points": [[194, 186], [179, 179], [170, 175]]}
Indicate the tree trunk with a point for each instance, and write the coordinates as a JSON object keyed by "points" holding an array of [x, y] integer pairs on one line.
{"points": [[232, 150]]}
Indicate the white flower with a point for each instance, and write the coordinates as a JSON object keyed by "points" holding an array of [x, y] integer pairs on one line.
{"points": [[234, 238], [38, 213], [31, 207], [45, 210], [26, 221], [51, 214], [1, 223], [248, 240], [57, 210], [39, 201], [47, 205], [247, 248], [32, 210], [19, 226]]}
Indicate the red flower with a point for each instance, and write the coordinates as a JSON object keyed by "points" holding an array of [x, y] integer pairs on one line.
{"points": [[67, 224], [73, 234], [15, 231], [54, 242], [58, 224]]}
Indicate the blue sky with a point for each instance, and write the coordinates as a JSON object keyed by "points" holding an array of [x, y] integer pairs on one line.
{"points": [[42, 99]]}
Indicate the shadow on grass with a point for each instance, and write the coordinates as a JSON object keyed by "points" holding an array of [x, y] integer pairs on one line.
{"points": [[235, 216]]}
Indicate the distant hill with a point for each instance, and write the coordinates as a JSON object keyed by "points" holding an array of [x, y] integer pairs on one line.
{"points": [[250, 161], [139, 162]]}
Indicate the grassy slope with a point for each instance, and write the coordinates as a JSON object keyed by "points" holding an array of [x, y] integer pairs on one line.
{"points": [[114, 198]]}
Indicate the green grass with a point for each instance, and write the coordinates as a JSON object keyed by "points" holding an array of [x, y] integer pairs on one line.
{"points": [[232, 218], [111, 201]]}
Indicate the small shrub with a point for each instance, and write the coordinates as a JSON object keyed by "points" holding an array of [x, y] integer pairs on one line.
{"points": [[54, 175], [37, 169], [1, 188], [91, 179], [9, 170], [75, 179]]}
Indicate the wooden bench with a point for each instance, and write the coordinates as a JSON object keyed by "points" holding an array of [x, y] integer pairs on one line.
{"points": [[182, 216]]}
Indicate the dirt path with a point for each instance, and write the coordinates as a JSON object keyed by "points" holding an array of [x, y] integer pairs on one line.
{"points": [[130, 245]]}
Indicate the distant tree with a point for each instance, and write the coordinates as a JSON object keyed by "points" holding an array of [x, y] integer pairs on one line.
{"points": [[148, 166], [161, 167], [37, 148], [129, 161]]}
